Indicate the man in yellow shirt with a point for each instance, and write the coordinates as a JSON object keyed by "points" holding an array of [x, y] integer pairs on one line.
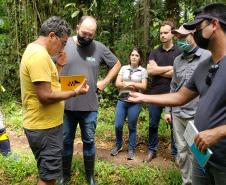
{"points": [[42, 97]]}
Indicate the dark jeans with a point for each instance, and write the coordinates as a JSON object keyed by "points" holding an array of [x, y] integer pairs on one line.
{"points": [[154, 118], [87, 122], [131, 110], [211, 176]]}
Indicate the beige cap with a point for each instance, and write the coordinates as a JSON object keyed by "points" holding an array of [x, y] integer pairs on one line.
{"points": [[182, 30]]}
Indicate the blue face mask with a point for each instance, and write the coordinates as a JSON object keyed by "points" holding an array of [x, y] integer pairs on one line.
{"points": [[184, 45]]}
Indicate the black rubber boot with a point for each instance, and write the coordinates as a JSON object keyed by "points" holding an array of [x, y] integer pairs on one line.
{"points": [[67, 168], [66, 177], [89, 162]]}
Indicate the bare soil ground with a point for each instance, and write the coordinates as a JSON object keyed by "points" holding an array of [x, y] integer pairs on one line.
{"points": [[163, 160]]}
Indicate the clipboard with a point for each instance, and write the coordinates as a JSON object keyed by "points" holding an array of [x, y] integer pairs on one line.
{"points": [[69, 83]]}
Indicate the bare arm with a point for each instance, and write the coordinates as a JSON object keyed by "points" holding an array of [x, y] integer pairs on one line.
{"points": [[181, 97], [168, 74], [111, 74], [153, 69], [47, 96], [136, 85]]}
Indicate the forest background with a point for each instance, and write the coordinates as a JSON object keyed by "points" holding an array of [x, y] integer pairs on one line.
{"points": [[122, 24]]}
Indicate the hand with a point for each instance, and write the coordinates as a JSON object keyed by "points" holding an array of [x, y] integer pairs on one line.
{"points": [[129, 85], [83, 88], [101, 85], [168, 118], [135, 97], [206, 138], [61, 59]]}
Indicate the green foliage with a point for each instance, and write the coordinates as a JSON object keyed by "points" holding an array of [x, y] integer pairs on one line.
{"points": [[12, 112], [19, 168]]}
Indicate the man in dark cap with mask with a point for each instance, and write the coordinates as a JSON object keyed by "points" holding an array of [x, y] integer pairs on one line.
{"points": [[209, 82], [84, 57], [183, 67]]}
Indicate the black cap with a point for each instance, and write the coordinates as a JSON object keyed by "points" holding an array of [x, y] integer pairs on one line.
{"points": [[199, 18]]}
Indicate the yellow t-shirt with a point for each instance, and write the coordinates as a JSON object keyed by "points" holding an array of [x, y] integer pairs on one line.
{"points": [[37, 66]]}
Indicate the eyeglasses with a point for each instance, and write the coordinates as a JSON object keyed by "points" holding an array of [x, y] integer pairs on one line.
{"points": [[211, 72], [199, 27], [63, 43]]}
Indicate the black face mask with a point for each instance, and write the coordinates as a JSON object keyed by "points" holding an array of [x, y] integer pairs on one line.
{"points": [[200, 40], [84, 41]]}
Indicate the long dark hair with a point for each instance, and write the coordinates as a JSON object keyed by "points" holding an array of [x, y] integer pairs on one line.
{"points": [[138, 50]]}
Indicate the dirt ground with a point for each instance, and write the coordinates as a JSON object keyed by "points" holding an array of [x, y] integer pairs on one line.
{"points": [[163, 160]]}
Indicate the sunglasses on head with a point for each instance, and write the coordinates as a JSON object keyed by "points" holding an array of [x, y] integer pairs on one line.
{"points": [[211, 72]]}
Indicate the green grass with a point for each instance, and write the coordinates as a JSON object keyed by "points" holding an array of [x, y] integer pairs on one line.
{"points": [[22, 171], [19, 168]]}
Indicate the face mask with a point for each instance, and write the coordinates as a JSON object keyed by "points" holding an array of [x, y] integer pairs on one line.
{"points": [[200, 40], [184, 45], [84, 41]]}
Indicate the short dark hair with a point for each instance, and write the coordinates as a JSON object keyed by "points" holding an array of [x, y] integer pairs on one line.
{"points": [[139, 52], [57, 25], [169, 23]]}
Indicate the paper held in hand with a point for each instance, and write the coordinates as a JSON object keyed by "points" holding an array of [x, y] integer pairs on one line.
{"points": [[189, 135], [69, 83]]}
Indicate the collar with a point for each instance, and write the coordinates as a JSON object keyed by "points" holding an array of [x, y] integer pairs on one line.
{"points": [[171, 49], [128, 67], [195, 53]]}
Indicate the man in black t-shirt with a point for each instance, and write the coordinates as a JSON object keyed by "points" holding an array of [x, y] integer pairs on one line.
{"points": [[160, 68], [209, 82]]}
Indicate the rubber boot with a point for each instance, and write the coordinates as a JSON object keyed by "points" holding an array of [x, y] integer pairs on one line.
{"points": [[66, 176], [89, 162], [67, 168], [4, 143]]}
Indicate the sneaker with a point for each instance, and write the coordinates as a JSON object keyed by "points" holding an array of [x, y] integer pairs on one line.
{"points": [[131, 155], [150, 157], [116, 150]]}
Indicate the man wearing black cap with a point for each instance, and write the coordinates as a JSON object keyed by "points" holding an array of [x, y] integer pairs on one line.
{"points": [[183, 67], [209, 82]]}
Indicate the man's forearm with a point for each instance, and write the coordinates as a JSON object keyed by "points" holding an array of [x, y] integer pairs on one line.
{"points": [[171, 99], [112, 72], [168, 74], [157, 70], [178, 98], [221, 130], [54, 97]]}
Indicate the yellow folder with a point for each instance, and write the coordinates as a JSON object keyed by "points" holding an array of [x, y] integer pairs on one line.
{"points": [[69, 83]]}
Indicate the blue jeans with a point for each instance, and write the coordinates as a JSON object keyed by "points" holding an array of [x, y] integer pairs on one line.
{"points": [[154, 118], [131, 110], [87, 122], [211, 176]]}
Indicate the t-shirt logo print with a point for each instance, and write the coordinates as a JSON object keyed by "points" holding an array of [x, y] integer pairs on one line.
{"points": [[90, 59]]}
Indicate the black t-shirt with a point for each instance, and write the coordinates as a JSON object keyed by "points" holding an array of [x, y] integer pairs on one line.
{"points": [[211, 110], [159, 84]]}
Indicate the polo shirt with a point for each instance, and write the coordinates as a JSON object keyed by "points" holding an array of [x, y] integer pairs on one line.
{"points": [[159, 84]]}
